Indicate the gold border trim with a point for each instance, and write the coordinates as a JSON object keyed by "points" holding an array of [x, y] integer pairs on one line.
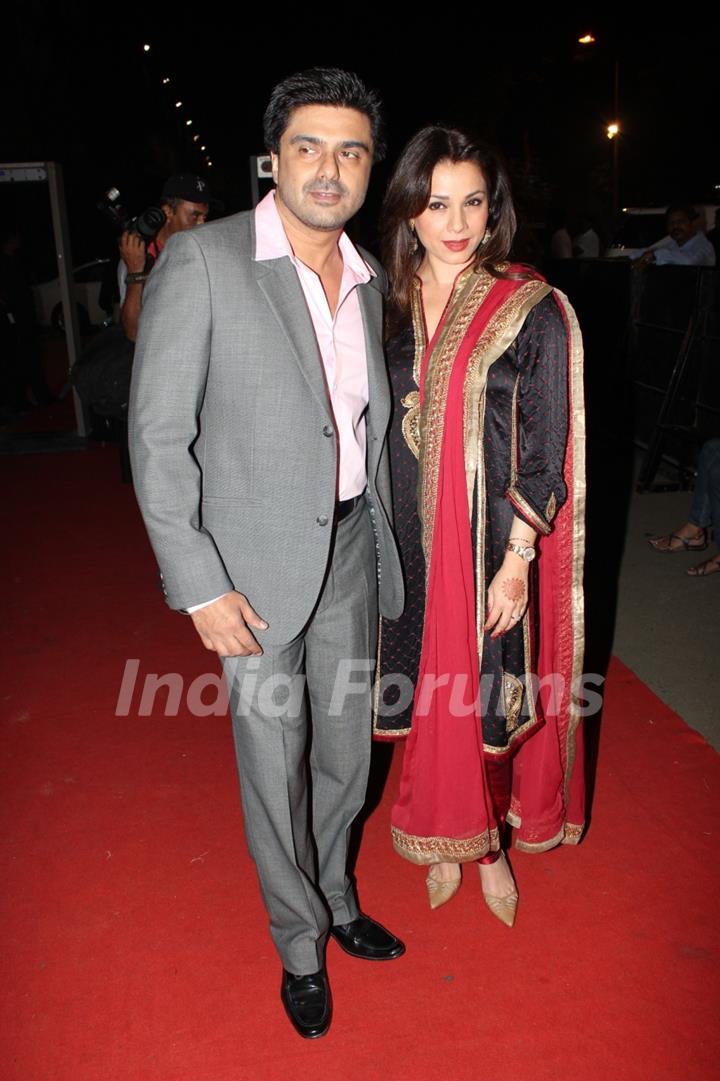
{"points": [[577, 412], [418, 322], [573, 833], [521, 503], [570, 834], [426, 850]]}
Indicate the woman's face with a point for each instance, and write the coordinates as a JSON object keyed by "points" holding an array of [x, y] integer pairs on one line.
{"points": [[455, 221]]}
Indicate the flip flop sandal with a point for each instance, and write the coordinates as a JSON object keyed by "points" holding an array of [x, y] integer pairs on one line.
{"points": [[701, 570], [687, 544]]}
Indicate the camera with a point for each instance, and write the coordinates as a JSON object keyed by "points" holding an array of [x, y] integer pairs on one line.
{"points": [[146, 224]]}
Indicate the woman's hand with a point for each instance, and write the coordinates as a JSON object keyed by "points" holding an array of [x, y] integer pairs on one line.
{"points": [[507, 595]]}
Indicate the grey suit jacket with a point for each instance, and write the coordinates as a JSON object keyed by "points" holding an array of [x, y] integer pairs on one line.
{"points": [[232, 438]]}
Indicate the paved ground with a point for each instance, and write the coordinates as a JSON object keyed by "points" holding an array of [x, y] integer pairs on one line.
{"points": [[668, 625]]}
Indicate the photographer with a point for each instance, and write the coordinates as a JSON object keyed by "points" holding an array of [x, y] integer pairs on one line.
{"points": [[185, 201]]}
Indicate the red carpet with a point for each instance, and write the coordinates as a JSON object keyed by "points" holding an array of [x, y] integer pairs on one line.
{"points": [[135, 944]]}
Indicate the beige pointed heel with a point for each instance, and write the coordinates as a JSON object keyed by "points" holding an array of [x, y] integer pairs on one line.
{"points": [[505, 908], [439, 893]]}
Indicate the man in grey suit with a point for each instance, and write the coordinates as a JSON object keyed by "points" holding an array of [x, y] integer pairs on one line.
{"points": [[258, 418]]}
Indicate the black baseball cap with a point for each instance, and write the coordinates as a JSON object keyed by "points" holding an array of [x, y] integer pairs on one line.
{"points": [[191, 188]]}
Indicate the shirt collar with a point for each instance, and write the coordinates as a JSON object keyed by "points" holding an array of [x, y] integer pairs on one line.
{"points": [[271, 241]]}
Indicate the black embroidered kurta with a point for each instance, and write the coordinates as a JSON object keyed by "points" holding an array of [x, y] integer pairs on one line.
{"points": [[524, 436]]}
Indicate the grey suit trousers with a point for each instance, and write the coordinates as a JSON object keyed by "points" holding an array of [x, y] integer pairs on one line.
{"points": [[302, 728]]}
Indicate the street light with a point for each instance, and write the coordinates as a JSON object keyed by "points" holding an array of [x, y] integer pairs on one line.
{"points": [[612, 130]]}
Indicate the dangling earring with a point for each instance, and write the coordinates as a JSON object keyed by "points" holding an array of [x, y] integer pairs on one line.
{"points": [[488, 236], [411, 227]]}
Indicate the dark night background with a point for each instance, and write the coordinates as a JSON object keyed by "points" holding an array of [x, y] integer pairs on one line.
{"points": [[79, 90]]}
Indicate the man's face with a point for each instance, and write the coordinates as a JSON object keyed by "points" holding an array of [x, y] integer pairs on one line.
{"points": [[323, 165], [680, 227], [185, 216]]}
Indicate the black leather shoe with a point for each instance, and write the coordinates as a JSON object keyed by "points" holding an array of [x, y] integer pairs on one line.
{"points": [[307, 1002], [365, 938]]}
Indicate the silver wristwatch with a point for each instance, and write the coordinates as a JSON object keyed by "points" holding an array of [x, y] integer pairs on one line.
{"points": [[525, 551]]}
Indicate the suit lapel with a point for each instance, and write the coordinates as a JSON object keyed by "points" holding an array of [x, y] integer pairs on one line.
{"points": [[279, 282]]}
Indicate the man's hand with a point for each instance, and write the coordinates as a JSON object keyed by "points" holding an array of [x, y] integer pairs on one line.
{"points": [[224, 626], [132, 252]]}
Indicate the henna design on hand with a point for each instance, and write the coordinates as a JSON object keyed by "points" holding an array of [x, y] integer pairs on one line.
{"points": [[513, 588]]}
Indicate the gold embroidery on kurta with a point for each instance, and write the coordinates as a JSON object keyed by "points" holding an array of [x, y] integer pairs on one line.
{"points": [[411, 422], [551, 508], [513, 692], [418, 322]]}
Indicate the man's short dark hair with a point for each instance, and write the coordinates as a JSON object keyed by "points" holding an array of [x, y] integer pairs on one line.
{"points": [[682, 208], [322, 86]]}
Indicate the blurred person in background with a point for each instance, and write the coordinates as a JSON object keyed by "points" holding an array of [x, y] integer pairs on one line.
{"points": [[586, 242], [185, 200], [704, 516], [686, 244]]}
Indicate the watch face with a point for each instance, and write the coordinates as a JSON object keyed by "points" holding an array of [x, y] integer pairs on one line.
{"points": [[529, 554]]}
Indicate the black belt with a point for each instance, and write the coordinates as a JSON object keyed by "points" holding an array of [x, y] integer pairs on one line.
{"points": [[343, 507]]}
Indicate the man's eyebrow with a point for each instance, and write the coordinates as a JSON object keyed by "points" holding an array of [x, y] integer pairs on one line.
{"points": [[349, 144], [346, 144]]}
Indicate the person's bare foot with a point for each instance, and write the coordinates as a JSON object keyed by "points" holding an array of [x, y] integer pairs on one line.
{"points": [[702, 570], [688, 538]]}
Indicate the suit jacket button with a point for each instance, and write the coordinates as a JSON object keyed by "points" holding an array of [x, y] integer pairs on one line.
{"points": [[322, 519], [328, 430]]}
